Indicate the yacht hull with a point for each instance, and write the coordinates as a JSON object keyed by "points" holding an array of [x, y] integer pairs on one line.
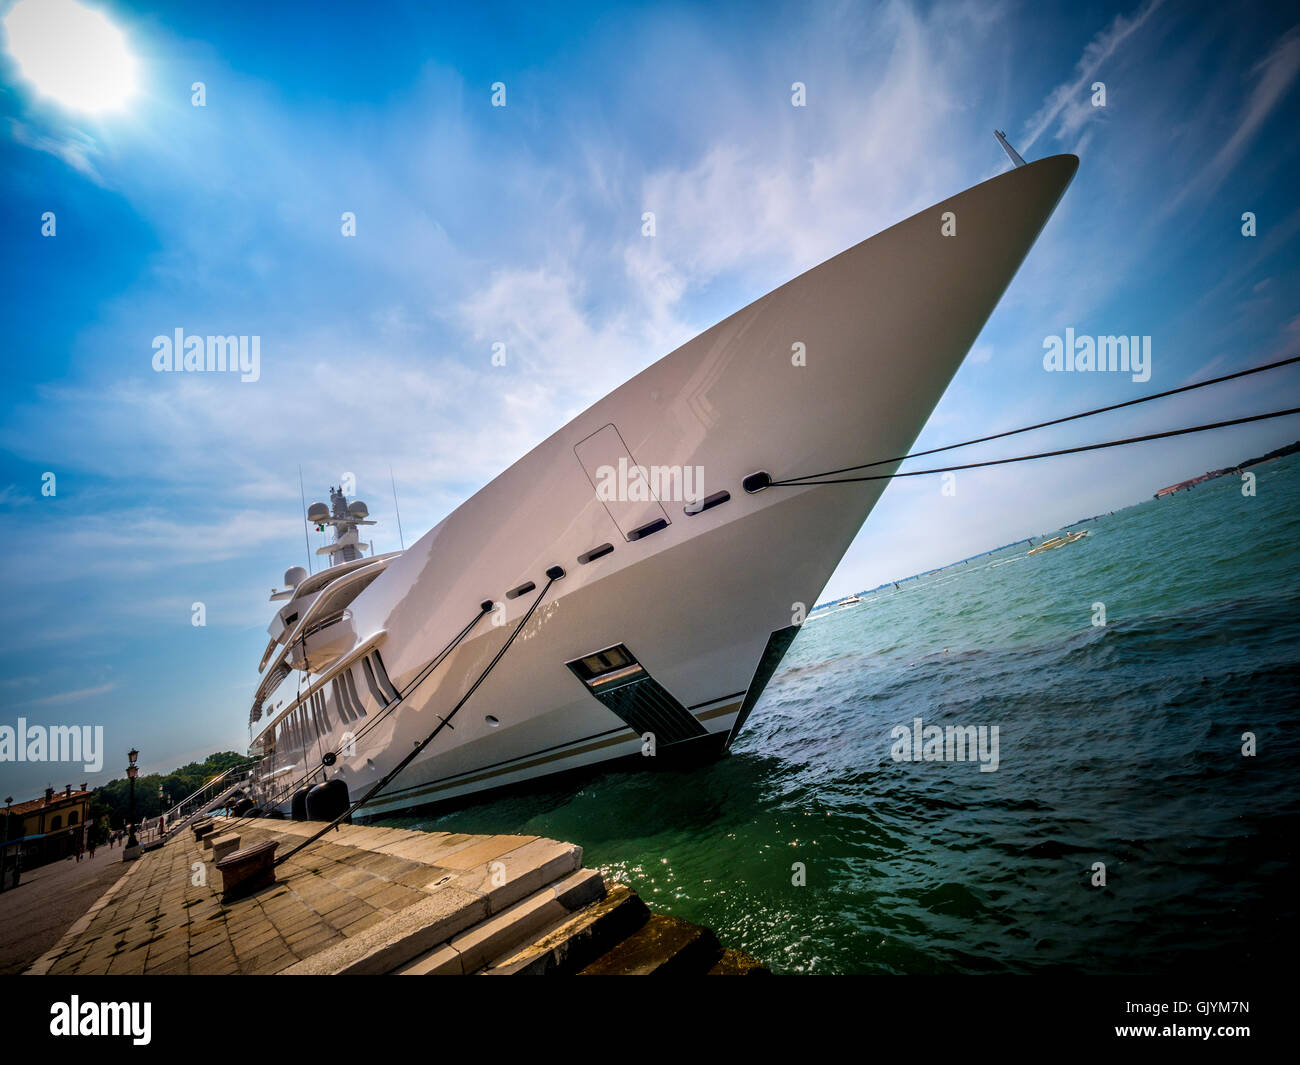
{"points": [[841, 365]]}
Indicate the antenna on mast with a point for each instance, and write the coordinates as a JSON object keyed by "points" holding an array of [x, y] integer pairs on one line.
{"points": [[1012, 154], [400, 538], [305, 534]]}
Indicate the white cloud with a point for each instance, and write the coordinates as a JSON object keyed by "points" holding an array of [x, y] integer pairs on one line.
{"points": [[74, 696], [1069, 106], [71, 145], [1273, 76], [779, 191]]}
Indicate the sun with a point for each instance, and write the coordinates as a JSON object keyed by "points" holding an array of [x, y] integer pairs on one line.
{"points": [[72, 54]]}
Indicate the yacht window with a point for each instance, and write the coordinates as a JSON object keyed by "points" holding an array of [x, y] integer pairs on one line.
{"points": [[381, 675], [523, 589], [340, 700], [380, 697], [322, 716], [350, 687]]}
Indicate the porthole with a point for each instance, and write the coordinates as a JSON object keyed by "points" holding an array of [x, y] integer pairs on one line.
{"points": [[647, 529], [595, 553]]}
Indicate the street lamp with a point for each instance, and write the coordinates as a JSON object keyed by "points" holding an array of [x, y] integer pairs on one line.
{"points": [[132, 771]]}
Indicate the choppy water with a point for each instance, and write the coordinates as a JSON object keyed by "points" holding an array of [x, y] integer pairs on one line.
{"points": [[1118, 744]]}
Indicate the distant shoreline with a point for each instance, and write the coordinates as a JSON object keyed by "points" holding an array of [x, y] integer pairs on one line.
{"points": [[1211, 475], [1270, 456]]}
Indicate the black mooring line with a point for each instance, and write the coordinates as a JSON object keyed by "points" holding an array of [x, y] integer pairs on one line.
{"points": [[799, 483], [443, 722], [1055, 421]]}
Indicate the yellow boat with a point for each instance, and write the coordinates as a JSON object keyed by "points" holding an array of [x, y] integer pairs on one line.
{"points": [[1059, 541]]}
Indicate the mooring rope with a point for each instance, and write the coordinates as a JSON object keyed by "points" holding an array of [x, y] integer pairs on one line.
{"points": [[424, 674], [553, 574], [801, 481], [419, 679], [1041, 425]]}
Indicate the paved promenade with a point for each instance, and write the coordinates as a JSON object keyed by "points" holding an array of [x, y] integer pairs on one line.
{"points": [[48, 900], [370, 900], [156, 919]]}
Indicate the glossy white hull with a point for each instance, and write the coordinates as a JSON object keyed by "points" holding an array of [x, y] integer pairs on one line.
{"points": [[884, 327]]}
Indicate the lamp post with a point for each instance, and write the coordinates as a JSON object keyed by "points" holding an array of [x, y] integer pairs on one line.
{"points": [[132, 771]]}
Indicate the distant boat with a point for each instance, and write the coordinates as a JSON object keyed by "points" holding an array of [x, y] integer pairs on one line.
{"points": [[852, 600], [1058, 541]]}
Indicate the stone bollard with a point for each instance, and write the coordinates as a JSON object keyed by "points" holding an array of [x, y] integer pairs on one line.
{"points": [[247, 870], [223, 845]]}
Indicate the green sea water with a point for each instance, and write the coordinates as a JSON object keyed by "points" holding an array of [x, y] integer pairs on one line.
{"points": [[1119, 744]]}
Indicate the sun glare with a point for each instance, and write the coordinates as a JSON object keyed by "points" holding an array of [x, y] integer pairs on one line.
{"points": [[72, 54]]}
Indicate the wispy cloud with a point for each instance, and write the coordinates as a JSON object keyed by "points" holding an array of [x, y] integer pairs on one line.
{"points": [[73, 146], [1068, 106], [75, 696], [783, 188], [1273, 77]]}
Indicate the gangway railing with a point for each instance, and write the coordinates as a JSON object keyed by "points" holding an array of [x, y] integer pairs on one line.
{"points": [[213, 793]]}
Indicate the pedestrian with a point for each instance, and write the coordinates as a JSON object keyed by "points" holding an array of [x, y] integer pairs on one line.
{"points": [[92, 849]]}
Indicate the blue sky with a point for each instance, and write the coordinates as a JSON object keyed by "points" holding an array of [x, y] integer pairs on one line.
{"points": [[522, 225]]}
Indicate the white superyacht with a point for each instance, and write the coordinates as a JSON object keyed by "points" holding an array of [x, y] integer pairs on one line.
{"points": [[651, 624]]}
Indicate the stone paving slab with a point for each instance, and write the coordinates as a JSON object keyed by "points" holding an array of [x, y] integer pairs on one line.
{"points": [[353, 901]]}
